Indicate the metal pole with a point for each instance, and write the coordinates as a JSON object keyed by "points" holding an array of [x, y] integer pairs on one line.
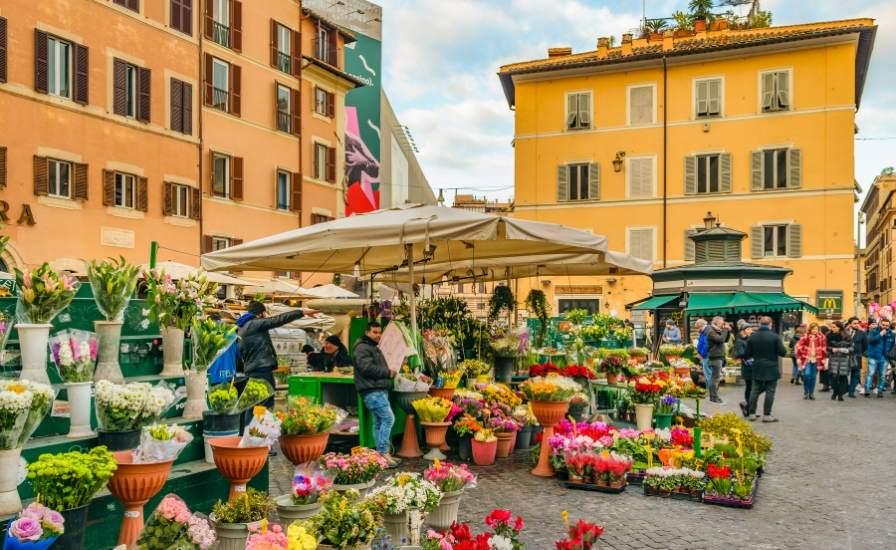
{"points": [[409, 252], [153, 252], [858, 305]]}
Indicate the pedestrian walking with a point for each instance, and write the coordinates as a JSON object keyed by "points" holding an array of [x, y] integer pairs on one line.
{"points": [[700, 326], [823, 374], [811, 351], [717, 337], [373, 380], [765, 347], [859, 344], [671, 334], [840, 359], [796, 374], [746, 363], [880, 343]]}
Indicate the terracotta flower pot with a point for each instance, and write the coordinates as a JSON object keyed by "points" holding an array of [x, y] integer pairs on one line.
{"points": [[435, 439], [237, 464], [484, 452], [612, 378], [134, 484], [548, 413], [445, 393], [300, 449], [505, 439]]}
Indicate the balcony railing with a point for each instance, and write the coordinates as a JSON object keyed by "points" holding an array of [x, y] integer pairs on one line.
{"points": [[325, 52], [284, 62], [221, 34], [220, 99], [283, 121]]}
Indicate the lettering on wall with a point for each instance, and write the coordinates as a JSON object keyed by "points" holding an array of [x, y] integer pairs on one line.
{"points": [[26, 216]]}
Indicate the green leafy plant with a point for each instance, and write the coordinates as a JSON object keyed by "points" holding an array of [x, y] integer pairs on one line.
{"points": [[576, 316], [222, 398], [728, 425], [701, 9], [346, 521], [209, 338], [655, 25], [502, 300], [113, 282], [683, 21], [306, 418], [253, 505], [69, 480], [453, 316], [537, 304]]}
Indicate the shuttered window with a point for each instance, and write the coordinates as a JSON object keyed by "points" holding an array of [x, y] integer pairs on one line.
{"points": [[641, 242], [224, 23], [129, 4], [775, 91], [324, 163], [220, 176], [181, 107], [178, 200], [3, 49], [708, 98], [689, 244], [641, 175], [285, 49], [59, 182], [61, 67], [2, 167], [641, 105], [324, 102], [132, 87], [578, 110], [283, 194], [776, 169], [578, 182], [283, 108], [776, 241], [181, 16], [223, 85], [125, 190], [707, 174]]}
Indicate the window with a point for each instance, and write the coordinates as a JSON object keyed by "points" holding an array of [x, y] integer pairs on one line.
{"points": [[774, 168], [59, 178], [325, 45], [220, 243], [578, 182], [180, 195], [592, 305], [320, 218], [283, 190], [708, 98], [221, 21], [283, 108], [125, 190], [220, 84], [59, 67], [774, 240], [129, 4], [221, 176], [641, 242], [578, 110], [641, 105], [775, 91], [324, 102], [641, 173], [181, 16], [460, 288], [131, 90], [777, 168], [481, 288], [284, 41], [708, 173], [181, 107], [324, 163]]}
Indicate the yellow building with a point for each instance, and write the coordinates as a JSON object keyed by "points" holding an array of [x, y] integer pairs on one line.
{"points": [[879, 209], [638, 142]]}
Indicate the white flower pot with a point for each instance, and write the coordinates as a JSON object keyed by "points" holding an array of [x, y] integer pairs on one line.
{"points": [[172, 351], [33, 345], [108, 334], [446, 514], [288, 512], [197, 383], [10, 503], [644, 416], [232, 536], [398, 526], [79, 409]]}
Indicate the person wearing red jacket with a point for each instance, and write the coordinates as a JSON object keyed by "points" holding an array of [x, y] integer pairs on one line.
{"points": [[811, 352]]}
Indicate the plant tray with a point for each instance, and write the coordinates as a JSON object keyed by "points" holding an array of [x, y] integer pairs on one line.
{"points": [[592, 487], [675, 495], [734, 502], [635, 478]]}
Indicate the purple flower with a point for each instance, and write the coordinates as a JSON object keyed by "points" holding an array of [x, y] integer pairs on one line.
{"points": [[26, 528]]}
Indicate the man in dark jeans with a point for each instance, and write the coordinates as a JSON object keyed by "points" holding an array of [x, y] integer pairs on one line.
{"points": [[765, 347], [860, 343], [373, 380]]}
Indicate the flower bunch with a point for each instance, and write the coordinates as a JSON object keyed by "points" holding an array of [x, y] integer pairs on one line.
{"points": [[508, 346], [43, 293], [500, 419], [503, 535], [166, 526], [123, 407], [552, 388], [647, 389], [612, 365], [176, 303], [439, 359], [543, 369], [682, 437], [255, 392], [406, 491], [667, 404], [675, 479], [361, 466], [5, 327], [74, 353], [614, 465], [345, 520], [35, 523], [209, 340], [267, 537], [42, 397], [69, 480], [505, 529], [15, 407], [719, 479], [577, 371], [466, 425], [469, 403], [433, 409], [524, 416], [222, 398], [299, 538], [263, 430], [448, 477], [307, 486], [582, 535], [200, 532], [500, 393], [248, 507], [475, 368], [485, 436], [113, 282], [304, 417], [161, 442]]}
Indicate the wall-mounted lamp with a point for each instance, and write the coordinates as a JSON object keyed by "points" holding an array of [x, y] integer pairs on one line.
{"points": [[617, 162]]}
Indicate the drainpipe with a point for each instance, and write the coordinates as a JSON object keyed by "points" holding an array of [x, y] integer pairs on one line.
{"points": [[301, 119], [200, 95], [665, 154]]}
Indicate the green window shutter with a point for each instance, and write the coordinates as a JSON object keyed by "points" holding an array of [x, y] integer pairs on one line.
{"points": [[702, 91], [782, 89], [794, 164], [756, 241], [562, 183], [584, 110], [571, 110], [594, 181], [756, 169], [768, 91], [725, 172], [690, 175], [794, 241], [689, 244]]}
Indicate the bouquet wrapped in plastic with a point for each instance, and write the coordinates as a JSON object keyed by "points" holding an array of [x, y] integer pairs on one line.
{"points": [[74, 353], [412, 381], [15, 406], [263, 430], [43, 293], [124, 407], [161, 443], [42, 397], [172, 526], [254, 393], [36, 528], [113, 282], [222, 398]]}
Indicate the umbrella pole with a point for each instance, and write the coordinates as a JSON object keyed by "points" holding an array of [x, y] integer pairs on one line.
{"points": [[409, 251]]}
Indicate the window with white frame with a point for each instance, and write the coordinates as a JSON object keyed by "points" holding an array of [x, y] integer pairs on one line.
{"points": [[320, 161], [578, 110], [220, 243], [775, 91], [181, 200], [641, 105], [130, 89], [578, 182], [320, 101], [708, 97], [641, 242], [640, 176], [284, 110], [221, 22], [774, 240], [220, 84], [221, 176], [59, 67], [774, 169], [282, 190], [284, 51], [59, 178], [125, 190]]}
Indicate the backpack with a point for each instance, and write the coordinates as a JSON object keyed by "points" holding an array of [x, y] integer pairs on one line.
{"points": [[702, 345]]}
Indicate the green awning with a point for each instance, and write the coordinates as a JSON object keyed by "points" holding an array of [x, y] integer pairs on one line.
{"points": [[744, 302], [655, 302]]}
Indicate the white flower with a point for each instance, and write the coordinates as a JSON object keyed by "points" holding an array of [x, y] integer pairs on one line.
{"points": [[497, 542]]}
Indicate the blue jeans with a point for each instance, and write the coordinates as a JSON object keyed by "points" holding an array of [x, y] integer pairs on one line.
{"points": [[795, 371], [878, 366], [707, 372], [377, 402], [854, 376], [809, 375]]}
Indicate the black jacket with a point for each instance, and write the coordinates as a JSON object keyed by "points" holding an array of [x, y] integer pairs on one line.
{"points": [[840, 354], [256, 348], [371, 371], [765, 347], [859, 344], [740, 352], [715, 341]]}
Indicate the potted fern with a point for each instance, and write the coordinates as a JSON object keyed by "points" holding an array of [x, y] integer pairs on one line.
{"points": [[113, 283]]}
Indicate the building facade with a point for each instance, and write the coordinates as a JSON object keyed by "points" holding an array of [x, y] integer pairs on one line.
{"points": [[639, 141], [879, 209]]}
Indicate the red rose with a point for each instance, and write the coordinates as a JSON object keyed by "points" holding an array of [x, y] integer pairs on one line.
{"points": [[518, 526], [498, 516]]}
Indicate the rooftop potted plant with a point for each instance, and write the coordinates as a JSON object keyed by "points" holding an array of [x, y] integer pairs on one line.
{"points": [[304, 429], [74, 352], [405, 499], [346, 521], [234, 519], [113, 282]]}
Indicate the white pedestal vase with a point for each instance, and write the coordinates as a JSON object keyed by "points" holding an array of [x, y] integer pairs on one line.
{"points": [[107, 367], [172, 351], [644, 416], [446, 513], [79, 409], [197, 384], [10, 503], [33, 345]]}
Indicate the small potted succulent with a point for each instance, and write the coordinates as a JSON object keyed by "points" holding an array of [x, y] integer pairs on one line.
{"points": [[234, 519]]}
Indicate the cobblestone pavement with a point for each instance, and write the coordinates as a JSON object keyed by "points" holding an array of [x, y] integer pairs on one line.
{"points": [[829, 484]]}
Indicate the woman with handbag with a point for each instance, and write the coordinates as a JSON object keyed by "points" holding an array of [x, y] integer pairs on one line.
{"points": [[840, 354]]}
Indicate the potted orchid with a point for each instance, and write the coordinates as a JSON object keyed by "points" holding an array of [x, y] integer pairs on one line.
{"points": [[113, 282], [75, 352], [42, 294], [405, 499], [303, 501], [452, 480]]}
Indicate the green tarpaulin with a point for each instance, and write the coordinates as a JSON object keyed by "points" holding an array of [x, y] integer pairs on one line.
{"points": [[744, 302], [656, 302]]}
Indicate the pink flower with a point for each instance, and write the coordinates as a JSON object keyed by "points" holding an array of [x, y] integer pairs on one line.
{"points": [[26, 528], [173, 509]]}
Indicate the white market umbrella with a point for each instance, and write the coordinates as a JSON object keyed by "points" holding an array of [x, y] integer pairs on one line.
{"points": [[179, 271], [274, 286], [327, 291]]}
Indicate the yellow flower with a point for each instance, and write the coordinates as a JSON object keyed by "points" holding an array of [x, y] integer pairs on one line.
{"points": [[259, 410], [565, 515]]}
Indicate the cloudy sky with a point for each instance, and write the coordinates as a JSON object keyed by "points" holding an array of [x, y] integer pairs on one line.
{"points": [[440, 60]]}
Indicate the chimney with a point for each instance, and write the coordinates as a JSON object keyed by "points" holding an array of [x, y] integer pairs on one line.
{"points": [[627, 38], [603, 46], [559, 52], [627, 43]]}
